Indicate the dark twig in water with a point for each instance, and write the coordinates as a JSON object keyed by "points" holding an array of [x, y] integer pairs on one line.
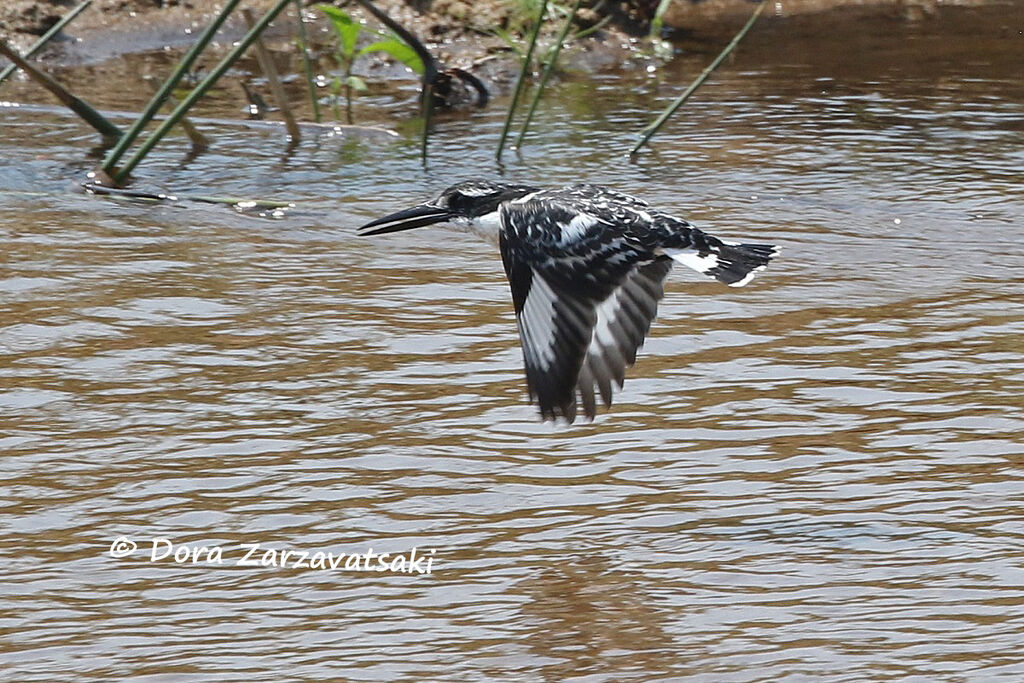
{"points": [[527, 62], [654, 127], [141, 195], [266, 63], [45, 38], [428, 106], [165, 90], [548, 68], [200, 90], [80, 107]]}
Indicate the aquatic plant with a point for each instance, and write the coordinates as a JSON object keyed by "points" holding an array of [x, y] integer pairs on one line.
{"points": [[348, 31], [524, 69], [550, 53], [662, 48], [548, 61], [659, 18], [118, 175], [548, 68], [428, 75], [114, 156]]}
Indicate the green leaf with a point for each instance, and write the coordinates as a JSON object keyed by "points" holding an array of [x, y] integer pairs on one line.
{"points": [[346, 28], [356, 83], [398, 50]]}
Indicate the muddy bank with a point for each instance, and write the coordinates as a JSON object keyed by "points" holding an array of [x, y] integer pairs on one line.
{"points": [[688, 15], [110, 27]]}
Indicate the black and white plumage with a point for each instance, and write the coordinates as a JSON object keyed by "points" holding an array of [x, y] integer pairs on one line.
{"points": [[586, 265]]}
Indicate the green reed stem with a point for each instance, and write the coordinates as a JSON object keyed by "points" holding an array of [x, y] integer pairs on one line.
{"points": [[307, 65], [548, 69], [161, 95], [54, 30], [658, 20], [527, 61], [654, 127], [80, 107], [200, 90]]}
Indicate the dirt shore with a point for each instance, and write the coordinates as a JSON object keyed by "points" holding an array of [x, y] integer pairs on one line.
{"points": [[467, 25]]}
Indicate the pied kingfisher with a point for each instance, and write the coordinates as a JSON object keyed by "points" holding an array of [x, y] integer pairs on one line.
{"points": [[586, 265]]}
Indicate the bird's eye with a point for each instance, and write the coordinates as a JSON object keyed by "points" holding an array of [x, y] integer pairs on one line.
{"points": [[457, 201]]}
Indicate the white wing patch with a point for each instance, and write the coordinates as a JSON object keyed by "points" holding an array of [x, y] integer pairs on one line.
{"points": [[525, 198], [575, 229], [537, 324], [747, 278], [733, 263], [692, 259], [621, 323], [607, 311]]}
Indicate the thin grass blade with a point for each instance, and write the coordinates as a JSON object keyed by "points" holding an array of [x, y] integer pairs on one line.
{"points": [[199, 141], [161, 96], [548, 68], [654, 127], [659, 18], [527, 60], [200, 90]]}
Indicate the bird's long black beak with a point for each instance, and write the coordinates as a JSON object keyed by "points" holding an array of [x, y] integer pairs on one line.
{"points": [[407, 219]]}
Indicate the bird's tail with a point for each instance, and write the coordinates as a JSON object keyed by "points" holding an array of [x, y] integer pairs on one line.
{"points": [[729, 262]]}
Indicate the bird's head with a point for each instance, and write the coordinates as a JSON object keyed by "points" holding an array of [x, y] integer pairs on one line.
{"points": [[461, 202]]}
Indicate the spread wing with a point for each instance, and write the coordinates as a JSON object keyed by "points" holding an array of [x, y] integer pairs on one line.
{"points": [[585, 295]]}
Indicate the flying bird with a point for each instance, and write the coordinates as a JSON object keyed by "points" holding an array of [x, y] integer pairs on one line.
{"points": [[586, 265]]}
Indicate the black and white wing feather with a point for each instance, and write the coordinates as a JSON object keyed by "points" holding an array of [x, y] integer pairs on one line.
{"points": [[585, 293]]}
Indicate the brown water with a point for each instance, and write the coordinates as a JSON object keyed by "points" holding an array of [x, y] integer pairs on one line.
{"points": [[817, 477]]}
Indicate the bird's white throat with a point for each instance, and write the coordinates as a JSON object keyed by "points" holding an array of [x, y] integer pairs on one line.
{"points": [[486, 226]]}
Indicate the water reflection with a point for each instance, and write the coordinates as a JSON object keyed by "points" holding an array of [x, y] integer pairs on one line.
{"points": [[820, 472]]}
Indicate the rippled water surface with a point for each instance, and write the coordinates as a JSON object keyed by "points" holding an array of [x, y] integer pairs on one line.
{"points": [[817, 477]]}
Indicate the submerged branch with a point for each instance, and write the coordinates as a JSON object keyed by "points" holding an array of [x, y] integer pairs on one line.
{"points": [[141, 195]]}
